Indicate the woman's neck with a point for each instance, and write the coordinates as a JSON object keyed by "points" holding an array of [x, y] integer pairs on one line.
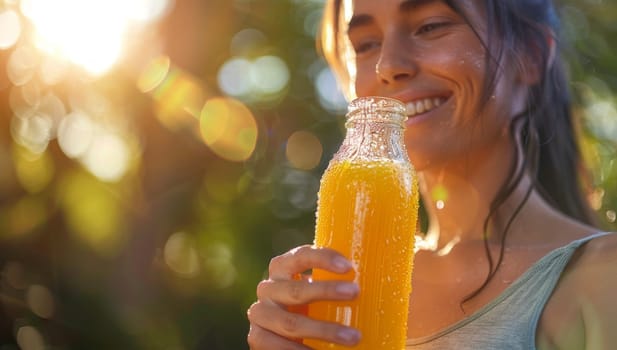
{"points": [[458, 195]]}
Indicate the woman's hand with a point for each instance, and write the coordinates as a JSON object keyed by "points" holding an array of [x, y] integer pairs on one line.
{"points": [[273, 326]]}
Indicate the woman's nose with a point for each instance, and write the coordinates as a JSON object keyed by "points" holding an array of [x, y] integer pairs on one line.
{"points": [[396, 63]]}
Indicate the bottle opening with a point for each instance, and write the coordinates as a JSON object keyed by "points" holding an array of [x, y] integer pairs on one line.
{"points": [[377, 109]]}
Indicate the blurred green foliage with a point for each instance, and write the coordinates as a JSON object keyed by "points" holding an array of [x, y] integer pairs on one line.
{"points": [[168, 255]]}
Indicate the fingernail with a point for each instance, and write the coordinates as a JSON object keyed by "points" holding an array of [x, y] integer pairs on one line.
{"points": [[349, 335], [341, 264], [347, 289]]}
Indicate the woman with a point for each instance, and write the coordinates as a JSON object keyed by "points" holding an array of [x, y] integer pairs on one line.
{"points": [[514, 261]]}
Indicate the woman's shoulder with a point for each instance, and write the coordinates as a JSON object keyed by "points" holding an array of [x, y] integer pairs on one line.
{"points": [[582, 310], [592, 284], [599, 252]]}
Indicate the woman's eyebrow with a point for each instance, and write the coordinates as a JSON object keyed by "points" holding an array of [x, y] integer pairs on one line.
{"points": [[405, 6], [408, 5], [359, 21]]}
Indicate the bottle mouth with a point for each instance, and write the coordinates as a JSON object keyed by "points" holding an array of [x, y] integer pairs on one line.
{"points": [[377, 109]]}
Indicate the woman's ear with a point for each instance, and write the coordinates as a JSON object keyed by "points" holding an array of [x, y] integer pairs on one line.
{"points": [[538, 58]]}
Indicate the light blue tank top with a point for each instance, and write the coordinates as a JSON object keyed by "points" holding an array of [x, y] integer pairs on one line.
{"points": [[510, 320]]}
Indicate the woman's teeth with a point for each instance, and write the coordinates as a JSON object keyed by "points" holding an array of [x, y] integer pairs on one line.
{"points": [[424, 105]]}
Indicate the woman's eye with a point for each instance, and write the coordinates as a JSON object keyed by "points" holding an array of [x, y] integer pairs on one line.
{"points": [[366, 46], [429, 27]]}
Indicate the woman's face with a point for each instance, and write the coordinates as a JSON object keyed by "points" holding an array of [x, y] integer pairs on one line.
{"points": [[425, 54]]}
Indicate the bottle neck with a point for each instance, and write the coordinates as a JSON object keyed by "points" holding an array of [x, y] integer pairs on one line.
{"points": [[374, 131]]}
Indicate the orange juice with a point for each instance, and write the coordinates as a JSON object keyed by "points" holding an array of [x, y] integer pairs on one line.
{"points": [[367, 211]]}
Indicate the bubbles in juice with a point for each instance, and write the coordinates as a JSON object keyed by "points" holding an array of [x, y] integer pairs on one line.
{"points": [[367, 211]]}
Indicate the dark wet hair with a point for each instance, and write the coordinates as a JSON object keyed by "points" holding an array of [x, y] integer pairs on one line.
{"points": [[518, 28]]}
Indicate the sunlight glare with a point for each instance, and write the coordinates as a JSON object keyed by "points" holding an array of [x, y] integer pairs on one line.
{"points": [[148, 10], [87, 33]]}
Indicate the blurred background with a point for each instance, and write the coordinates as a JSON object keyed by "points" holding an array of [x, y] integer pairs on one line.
{"points": [[155, 154]]}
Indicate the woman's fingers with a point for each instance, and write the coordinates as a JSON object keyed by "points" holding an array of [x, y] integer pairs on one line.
{"points": [[299, 292], [291, 325], [273, 326], [298, 260], [262, 339]]}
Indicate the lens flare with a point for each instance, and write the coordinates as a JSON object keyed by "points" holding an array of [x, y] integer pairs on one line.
{"points": [[228, 128], [178, 99], [153, 74]]}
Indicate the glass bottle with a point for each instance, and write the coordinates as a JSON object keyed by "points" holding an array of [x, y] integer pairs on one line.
{"points": [[367, 210]]}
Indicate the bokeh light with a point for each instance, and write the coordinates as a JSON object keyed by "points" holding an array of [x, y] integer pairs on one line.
{"points": [[181, 256], [34, 171], [32, 131], [232, 77], [92, 211], [108, 156], [14, 273], [330, 96], [28, 214], [228, 128], [246, 41], [41, 301], [29, 338], [260, 79], [269, 74], [602, 119], [303, 150], [218, 265], [22, 64], [10, 28], [75, 133]]}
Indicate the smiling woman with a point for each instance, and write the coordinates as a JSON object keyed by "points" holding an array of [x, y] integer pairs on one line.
{"points": [[490, 131]]}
